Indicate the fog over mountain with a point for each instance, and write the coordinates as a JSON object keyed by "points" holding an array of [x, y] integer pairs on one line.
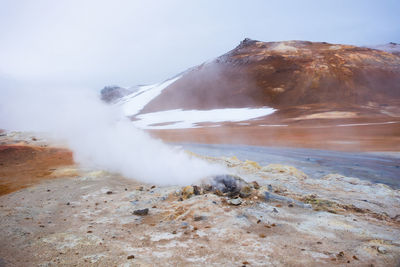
{"points": [[95, 43]]}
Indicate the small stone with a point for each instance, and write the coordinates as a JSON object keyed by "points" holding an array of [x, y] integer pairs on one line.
{"points": [[235, 201], [199, 218], [218, 193], [140, 188], [196, 190], [275, 210], [152, 187], [174, 232], [290, 205], [262, 235], [109, 192], [245, 191], [340, 254], [130, 257], [187, 192], [255, 185], [68, 203], [382, 250], [141, 212], [355, 257], [245, 263]]}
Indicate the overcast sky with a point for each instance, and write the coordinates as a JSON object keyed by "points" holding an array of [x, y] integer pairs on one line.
{"points": [[95, 43]]}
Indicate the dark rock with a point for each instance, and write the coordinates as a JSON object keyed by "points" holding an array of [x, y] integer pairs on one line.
{"points": [[141, 212], [112, 93], [255, 185], [196, 190], [109, 192], [226, 184], [130, 257], [199, 218]]}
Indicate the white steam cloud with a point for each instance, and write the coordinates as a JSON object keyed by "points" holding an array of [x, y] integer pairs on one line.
{"points": [[99, 135]]}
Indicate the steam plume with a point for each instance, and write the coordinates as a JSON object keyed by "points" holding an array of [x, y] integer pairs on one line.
{"points": [[99, 135]]}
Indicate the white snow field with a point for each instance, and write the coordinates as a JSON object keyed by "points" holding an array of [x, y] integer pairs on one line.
{"points": [[180, 119], [132, 104], [177, 118]]}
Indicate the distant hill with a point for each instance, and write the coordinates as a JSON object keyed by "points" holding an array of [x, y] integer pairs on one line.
{"points": [[283, 74], [293, 93]]}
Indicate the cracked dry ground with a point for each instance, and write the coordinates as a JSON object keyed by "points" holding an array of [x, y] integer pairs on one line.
{"points": [[85, 218]]}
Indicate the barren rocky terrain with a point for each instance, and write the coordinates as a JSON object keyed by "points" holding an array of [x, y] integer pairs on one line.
{"points": [[272, 215], [326, 96]]}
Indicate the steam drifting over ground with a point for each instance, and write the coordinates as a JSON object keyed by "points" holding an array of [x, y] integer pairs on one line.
{"points": [[99, 135]]}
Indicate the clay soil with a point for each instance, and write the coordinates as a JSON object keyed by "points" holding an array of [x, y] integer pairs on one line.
{"points": [[384, 137], [25, 165]]}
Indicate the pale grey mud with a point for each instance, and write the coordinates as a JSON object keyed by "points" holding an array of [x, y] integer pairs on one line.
{"points": [[381, 167]]}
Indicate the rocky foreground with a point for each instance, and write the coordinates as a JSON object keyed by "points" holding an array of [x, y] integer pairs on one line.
{"points": [[261, 216]]}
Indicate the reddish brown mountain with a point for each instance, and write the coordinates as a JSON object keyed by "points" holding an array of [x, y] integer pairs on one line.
{"points": [[286, 74]]}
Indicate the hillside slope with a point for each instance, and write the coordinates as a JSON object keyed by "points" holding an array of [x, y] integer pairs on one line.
{"points": [[284, 74], [293, 93]]}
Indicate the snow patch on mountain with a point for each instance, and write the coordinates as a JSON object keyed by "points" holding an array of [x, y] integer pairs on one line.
{"points": [[132, 104], [180, 119]]}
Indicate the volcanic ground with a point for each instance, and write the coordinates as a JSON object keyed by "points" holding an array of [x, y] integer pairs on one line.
{"points": [[264, 215]]}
